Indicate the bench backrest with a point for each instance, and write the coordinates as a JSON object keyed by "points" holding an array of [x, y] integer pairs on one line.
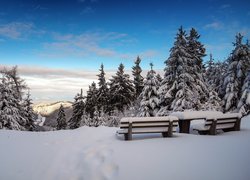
{"points": [[224, 121], [149, 124]]}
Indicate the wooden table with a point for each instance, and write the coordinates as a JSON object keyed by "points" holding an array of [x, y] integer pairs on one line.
{"points": [[184, 124]]}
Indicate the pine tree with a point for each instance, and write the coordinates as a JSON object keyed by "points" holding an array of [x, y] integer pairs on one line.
{"points": [[10, 115], [239, 64], [138, 79], [196, 49], [15, 80], [102, 92], [61, 119], [244, 103], [28, 112], [78, 111], [149, 104], [91, 99], [122, 90], [183, 86], [159, 78]]}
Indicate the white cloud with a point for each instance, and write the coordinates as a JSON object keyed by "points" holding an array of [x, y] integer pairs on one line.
{"points": [[87, 10], [18, 30], [225, 6], [214, 25], [99, 44]]}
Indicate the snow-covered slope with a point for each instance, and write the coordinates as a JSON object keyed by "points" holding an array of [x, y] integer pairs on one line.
{"points": [[45, 109], [98, 154]]}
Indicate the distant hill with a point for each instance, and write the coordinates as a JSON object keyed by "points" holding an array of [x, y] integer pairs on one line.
{"points": [[50, 111]]}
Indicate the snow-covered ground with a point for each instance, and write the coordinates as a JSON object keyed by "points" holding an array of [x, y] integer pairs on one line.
{"points": [[98, 154]]}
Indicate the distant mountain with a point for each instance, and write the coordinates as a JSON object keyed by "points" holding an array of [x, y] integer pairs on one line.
{"points": [[50, 111]]}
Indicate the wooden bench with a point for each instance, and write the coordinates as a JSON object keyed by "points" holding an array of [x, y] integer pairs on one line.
{"points": [[225, 122], [137, 125]]}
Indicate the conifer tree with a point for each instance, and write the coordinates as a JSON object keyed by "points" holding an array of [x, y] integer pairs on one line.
{"points": [[78, 111], [239, 64], [138, 79], [196, 49], [159, 78], [183, 86], [61, 119], [102, 92], [10, 115], [244, 103], [149, 104], [122, 90], [28, 112], [91, 99]]}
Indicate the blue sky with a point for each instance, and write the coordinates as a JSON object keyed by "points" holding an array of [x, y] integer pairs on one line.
{"points": [[78, 35]]}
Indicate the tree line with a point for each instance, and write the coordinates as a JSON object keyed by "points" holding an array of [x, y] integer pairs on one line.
{"points": [[188, 84]]}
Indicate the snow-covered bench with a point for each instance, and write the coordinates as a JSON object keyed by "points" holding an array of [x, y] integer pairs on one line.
{"points": [[225, 122], [136, 125]]}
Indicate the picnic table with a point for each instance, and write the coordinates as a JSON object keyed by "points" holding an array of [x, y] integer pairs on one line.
{"points": [[186, 117]]}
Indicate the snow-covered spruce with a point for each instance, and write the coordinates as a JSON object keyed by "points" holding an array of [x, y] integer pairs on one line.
{"points": [[102, 92], [121, 90], [244, 103], [91, 99], [183, 86], [239, 64], [10, 114], [149, 104], [78, 111], [27, 112], [196, 49], [61, 119], [138, 79]]}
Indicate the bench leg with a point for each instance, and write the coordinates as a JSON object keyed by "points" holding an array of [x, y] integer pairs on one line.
{"points": [[128, 136], [165, 134], [170, 129], [212, 130], [237, 125]]}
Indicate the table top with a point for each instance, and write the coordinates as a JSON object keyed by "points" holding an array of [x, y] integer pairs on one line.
{"points": [[193, 115]]}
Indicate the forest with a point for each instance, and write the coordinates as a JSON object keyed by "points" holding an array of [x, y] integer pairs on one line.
{"points": [[188, 84]]}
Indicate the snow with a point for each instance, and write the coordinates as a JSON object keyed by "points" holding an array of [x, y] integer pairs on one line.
{"points": [[98, 154], [196, 114], [138, 119]]}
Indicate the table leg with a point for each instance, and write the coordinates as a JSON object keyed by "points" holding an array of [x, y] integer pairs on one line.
{"points": [[184, 126]]}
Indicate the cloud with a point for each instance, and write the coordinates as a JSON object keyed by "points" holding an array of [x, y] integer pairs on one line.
{"points": [[87, 10], [18, 30], [225, 6], [57, 84], [96, 43], [216, 25]]}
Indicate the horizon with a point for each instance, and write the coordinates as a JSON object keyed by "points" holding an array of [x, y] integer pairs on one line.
{"points": [[63, 43]]}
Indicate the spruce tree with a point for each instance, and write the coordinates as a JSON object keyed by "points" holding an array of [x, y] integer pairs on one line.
{"points": [[183, 86], [159, 78], [61, 119], [196, 49], [102, 92], [138, 79], [28, 112], [239, 64], [149, 104], [122, 90], [10, 115], [91, 99], [244, 103], [78, 111]]}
